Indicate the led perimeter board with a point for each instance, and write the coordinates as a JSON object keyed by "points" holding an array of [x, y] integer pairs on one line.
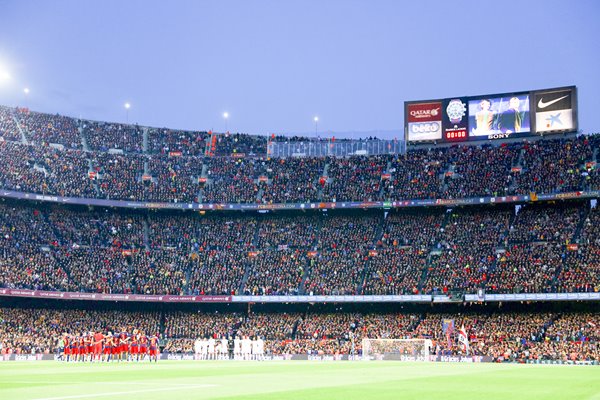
{"points": [[495, 116]]}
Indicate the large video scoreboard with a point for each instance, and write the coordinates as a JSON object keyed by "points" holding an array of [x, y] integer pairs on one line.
{"points": [[498, 116]]}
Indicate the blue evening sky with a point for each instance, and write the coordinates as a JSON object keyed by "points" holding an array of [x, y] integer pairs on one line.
{"points": [[274, 65]]}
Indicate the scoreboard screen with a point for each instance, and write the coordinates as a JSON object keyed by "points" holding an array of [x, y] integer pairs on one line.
{"points": [[498, 116]]}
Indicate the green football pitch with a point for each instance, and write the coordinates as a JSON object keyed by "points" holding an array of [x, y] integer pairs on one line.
{"points": [[174, 380]]}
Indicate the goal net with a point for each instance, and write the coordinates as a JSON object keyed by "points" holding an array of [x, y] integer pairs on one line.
{"points": [[396, 349]]}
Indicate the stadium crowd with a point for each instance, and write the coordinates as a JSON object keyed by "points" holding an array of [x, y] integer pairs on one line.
{"points": [[103, 136], [70, 249], [44, 129], [504, 336], [533, 248], [173, 167], [167, 141]]}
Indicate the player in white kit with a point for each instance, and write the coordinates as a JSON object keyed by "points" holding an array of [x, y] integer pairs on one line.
{"points": [[197, 349], [237, 348], [204, 347], [223, 349], [211, 348], [246, 348], [260, 348]]}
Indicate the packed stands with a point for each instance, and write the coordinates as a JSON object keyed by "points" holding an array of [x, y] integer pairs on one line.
{"points": [[103, 136], [504, 336], [44, 129], [171, 142], [537, 247], [330, 253], [8, 125], [159, 164]]}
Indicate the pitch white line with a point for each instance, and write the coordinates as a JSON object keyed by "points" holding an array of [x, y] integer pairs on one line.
{"points": [[86, 396]]}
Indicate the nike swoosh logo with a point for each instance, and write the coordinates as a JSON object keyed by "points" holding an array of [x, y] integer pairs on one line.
{"points": [[541, 103]]}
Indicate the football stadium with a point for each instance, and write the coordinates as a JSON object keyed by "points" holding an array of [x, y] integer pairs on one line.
{"points": [[456, 256]]}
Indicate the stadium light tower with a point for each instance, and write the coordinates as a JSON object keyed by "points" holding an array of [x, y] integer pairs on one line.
{"points": [[316, 119], [226, 118], [127, 107], [26, 95]]}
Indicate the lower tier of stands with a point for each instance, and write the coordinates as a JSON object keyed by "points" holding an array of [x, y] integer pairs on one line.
{"points": [[527, 333]]}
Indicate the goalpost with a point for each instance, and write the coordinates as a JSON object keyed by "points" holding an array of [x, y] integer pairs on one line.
{"points": [[396, 349]]}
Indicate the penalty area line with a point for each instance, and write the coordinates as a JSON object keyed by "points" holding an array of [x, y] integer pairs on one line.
{"points": [[87, 396]]}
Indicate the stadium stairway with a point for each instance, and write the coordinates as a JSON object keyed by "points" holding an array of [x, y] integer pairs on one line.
{"points": [[325, 174], [583, 214], [208, 152], [541, 334], [310, 262], [185, 289], [521, 158], [62, 262], [204, 175], [305, 274], [423, 278], [500, 248], [443, 178], [433, 251], [259, 194], [247, 271], [84, 136], [145, 140], [377, 236], [95, 181], [84, 142], [146, 228], [248, 267], [295, 327], [516, 163], [383, 192], [24, 139]]}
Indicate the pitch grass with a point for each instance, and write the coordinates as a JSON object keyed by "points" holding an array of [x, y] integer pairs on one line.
{"points": [[290, 380]]}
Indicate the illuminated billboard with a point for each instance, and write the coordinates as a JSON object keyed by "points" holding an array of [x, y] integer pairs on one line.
{"points": [[424, 121], [555, 110], [497, 116]]}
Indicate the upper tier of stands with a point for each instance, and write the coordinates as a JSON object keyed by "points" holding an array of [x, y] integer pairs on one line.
{"points": [[162, 165]]}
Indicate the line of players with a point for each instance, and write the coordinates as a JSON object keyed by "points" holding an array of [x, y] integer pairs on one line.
{"points": [[107, 347], [219, 349]]}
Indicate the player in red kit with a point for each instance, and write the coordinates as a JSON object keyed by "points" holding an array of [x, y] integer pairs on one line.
{"points": [[108, 344], [154, 348], [82, 347], [124, 345], [143, 345], [116, 347], [89, 346], [133, 348], [67, 348], [97, 346], [74, 347]]}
